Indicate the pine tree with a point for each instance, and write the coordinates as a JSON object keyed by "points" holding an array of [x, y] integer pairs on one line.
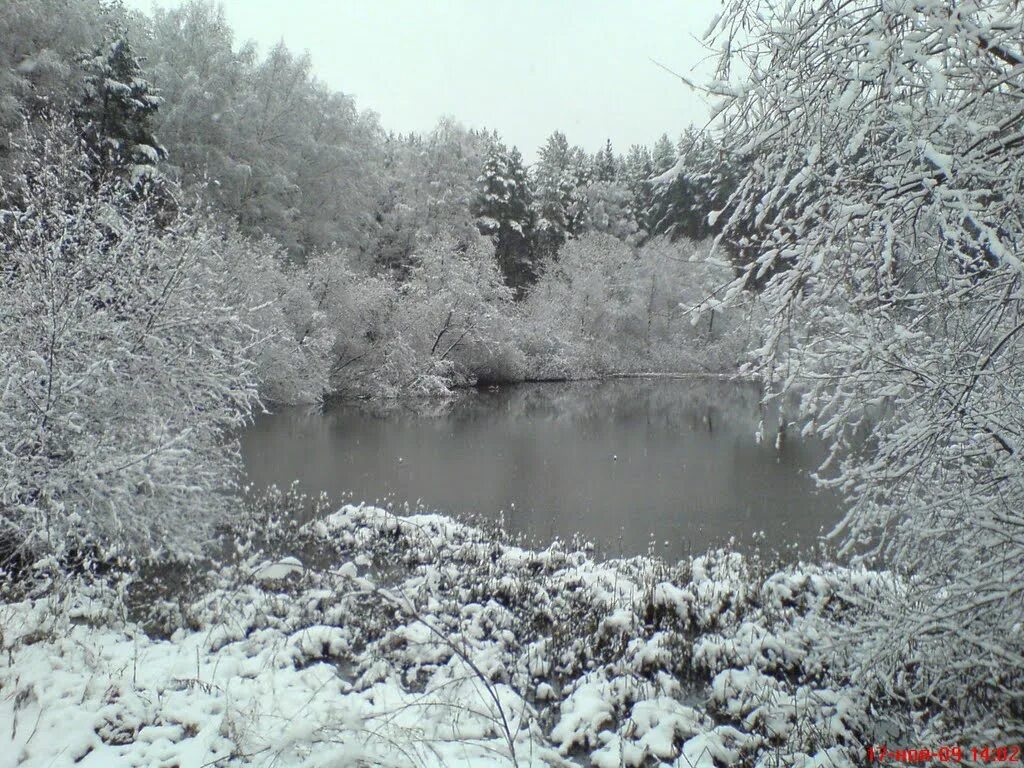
{"points": [[638, 171], [549, 203], [664, 155], [116, 111], [702, 185], [560, 202], [502, 210], [604, 163], [575, 180]]}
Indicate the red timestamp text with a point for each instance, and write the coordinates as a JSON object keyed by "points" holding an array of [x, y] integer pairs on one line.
{"points": [[995, 755]]}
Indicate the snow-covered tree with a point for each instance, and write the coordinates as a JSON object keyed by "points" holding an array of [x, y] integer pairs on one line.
{"points": [[608, 307], [605, 164], [287, 308], [267, 143], [559, 200], [664, 155], [429, 188], [698, 185], [116, 111], [40, 58], [572, 314], [502, 208], [445, 172], [455, 314], [445, 323], [396, 223], [609, 210], [639, 167], [124, 367], [882, 166]]}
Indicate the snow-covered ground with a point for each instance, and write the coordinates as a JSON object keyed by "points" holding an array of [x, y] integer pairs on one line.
{"points": [[369, 639]]}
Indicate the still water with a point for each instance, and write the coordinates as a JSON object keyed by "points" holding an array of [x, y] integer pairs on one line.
{"points": [[624, 463]]}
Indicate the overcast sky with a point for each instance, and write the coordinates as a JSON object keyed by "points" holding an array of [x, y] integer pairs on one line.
{"points": [[524, 68]]}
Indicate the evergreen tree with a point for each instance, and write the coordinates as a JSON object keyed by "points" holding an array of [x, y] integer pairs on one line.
{"points": [[576, 178], [638, 170], [681, 204], [560, 201], [502, 210], [605, 168], [664, 155], [549, 202], [694, 202], [116, 112], [620, 169]]}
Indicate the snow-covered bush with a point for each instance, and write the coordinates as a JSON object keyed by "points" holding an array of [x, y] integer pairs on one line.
{"points": [[883, 201], [284, 304], [670, 279], [463, 309], [576, 311], [448, 323], [606, 307], [541, 651], [122, 366]]}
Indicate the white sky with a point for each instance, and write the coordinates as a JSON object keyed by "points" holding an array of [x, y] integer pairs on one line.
{"points": [[523, 67]]}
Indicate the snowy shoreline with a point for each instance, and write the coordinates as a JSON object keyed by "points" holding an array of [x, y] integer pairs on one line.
{"points": [[458, 389], [430, 643]]}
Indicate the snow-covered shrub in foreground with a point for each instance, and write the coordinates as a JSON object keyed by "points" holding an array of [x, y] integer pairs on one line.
{"points": [[122, 365], [421, 641]]}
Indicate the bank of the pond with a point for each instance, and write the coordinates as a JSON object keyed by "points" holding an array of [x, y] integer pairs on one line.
{"points": [[489, 382], [369, 639]]}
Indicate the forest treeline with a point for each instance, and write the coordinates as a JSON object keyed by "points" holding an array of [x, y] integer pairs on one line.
{"points": [[267, 143], [190, 230], [385, 264]]}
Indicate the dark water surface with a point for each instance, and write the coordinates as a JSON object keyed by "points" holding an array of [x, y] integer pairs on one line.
{"points": [[623, 462]]}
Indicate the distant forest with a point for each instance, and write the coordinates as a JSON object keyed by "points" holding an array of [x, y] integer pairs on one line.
{"points": [[338, 217]]}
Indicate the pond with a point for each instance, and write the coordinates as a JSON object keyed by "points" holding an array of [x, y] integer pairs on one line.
{"points": [[627, 463]]}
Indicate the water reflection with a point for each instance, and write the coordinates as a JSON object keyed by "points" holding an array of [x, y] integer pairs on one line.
{"points": [[623, 462]]}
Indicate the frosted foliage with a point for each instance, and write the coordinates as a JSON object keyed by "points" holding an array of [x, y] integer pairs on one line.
{"points": [[884, 177], [116, 109], [560, 204], [606, 307], [429, 185], [502, 208], [121, 366], [448, 323], [273, 146], [609, 210], [284, 306], [41, 41]]}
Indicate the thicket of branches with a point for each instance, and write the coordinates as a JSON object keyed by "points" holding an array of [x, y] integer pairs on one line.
{"points": [[124, 363], [883, 197]]}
